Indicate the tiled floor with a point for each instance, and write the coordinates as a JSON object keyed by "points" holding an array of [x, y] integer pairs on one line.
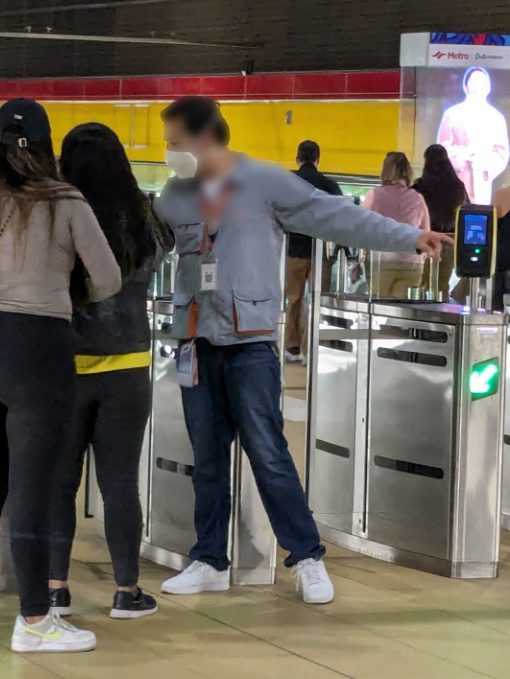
{"points": [[387, 623]]}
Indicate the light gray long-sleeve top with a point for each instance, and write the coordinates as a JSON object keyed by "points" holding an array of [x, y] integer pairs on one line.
{"points": [[264, 201]]}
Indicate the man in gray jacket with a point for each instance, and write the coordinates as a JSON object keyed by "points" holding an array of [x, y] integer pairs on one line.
{"points": [[228, 215]]}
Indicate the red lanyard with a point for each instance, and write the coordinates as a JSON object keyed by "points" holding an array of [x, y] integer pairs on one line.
{"points": [[212, 212]]}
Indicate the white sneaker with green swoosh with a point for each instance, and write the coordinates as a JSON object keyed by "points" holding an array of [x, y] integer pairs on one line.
{"points": [[50, 635]]}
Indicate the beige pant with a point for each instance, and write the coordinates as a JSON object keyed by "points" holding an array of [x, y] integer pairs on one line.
{"points": [[298, 273], [446, 266], [394, 282]]}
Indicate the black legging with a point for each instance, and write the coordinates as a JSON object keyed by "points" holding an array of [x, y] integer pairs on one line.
{"points": [[111, 413], [36, 399]]}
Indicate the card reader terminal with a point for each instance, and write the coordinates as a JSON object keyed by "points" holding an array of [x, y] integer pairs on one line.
{"points": [[475, 241]]}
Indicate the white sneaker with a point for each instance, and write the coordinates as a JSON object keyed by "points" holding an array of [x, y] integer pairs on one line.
{"points": [[50, 635], [198, 577], [313, 582], [294, 358]]}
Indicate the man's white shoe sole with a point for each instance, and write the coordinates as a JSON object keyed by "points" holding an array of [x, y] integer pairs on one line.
{"points": [[131, 615], [198, 589], [319, 602]]}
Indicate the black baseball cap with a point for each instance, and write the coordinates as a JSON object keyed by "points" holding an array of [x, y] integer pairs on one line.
{"points": [[22, 122]]}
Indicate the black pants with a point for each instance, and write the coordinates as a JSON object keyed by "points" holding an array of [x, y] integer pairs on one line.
{"points": [[36, 398], [501, 288], [111, 413]]}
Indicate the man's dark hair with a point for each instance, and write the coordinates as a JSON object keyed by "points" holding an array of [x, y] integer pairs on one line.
{"points": [[198, 115], [308, 152]]}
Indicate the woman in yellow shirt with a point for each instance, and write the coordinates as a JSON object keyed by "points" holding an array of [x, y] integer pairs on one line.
{"points": [[112, 362]]}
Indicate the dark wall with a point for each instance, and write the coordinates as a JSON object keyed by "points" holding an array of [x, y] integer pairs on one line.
{"points": [[288, 34]]}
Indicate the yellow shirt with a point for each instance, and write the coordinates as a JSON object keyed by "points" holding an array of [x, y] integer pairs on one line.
{"points": [[91, 365]]}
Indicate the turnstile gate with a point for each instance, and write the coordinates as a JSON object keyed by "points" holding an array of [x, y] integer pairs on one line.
{"points": [[169, 510], [405, 444], [7, 576]]}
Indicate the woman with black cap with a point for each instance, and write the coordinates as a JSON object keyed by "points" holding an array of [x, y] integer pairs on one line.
{"points": [[44, 225]]}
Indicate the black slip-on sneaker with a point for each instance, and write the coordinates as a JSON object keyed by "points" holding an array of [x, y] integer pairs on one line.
{"points": [[60, 601], [129, 605]]}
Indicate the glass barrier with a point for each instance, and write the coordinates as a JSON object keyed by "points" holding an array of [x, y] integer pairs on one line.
{"points": [[151, 177], [413, 277]]}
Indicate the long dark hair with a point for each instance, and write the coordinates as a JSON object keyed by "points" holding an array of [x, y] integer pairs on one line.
{"points": [[443, 191], [94, 160], [28, 175]]}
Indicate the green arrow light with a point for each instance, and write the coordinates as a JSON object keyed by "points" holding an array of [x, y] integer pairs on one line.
{"points": [[484, 379]]}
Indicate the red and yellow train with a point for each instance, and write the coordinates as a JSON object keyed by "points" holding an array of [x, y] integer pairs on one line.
{"points": [[355, 116]]}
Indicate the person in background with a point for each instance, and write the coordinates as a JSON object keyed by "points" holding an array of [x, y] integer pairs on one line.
{"points": [[444, 193], [228, 215], [299, 260], [44, 225], [112, 362], [501, 202], [397, 272]]}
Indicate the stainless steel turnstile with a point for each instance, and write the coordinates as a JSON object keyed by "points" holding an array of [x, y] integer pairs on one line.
{"points": [[405, 461], [169, 527], [7, 575], [169, 523], [166, 469], [505, 499]]}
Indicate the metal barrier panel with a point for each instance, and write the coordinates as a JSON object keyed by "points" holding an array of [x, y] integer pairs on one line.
{"points": [[505, 499], [412, 392], [432, 451], [335, 473], [171, 531], [7, 576]]}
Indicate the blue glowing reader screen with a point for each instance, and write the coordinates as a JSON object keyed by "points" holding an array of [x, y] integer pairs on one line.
{"points": [[475, 229]]}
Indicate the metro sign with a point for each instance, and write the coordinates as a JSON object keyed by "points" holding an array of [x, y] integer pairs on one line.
{"points": [[455, 50], [453, 56]]}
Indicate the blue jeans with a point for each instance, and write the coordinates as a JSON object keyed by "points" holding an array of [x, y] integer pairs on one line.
{"points": [[239, 392]]}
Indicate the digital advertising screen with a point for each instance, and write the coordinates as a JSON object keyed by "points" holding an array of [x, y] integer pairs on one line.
{"points": [[466, 110]]}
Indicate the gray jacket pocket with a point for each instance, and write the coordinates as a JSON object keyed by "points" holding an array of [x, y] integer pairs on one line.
{"points": [[185, 318], [255, 313], [189, 238]]}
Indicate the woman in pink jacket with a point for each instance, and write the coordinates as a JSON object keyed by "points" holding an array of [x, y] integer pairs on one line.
{"points": [[393, 274]]}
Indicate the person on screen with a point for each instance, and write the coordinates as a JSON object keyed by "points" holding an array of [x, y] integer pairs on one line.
{"points": [[475, 135]]}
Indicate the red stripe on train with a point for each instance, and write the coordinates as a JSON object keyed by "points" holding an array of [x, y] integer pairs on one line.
{"points": [[321, 85]]}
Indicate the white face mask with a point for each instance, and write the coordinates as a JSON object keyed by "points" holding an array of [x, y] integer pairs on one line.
{"points": [[183, 163]]}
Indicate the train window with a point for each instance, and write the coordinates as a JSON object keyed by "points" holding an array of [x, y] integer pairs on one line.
{"points": [[422, 334], [412, 357], [174, 467], [326, 447], [339, 345], [408, 467], [336, 322]]}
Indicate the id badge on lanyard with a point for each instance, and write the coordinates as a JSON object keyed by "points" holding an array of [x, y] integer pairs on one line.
{"points": [[187, 365], [209, 275], [213, 212]]}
